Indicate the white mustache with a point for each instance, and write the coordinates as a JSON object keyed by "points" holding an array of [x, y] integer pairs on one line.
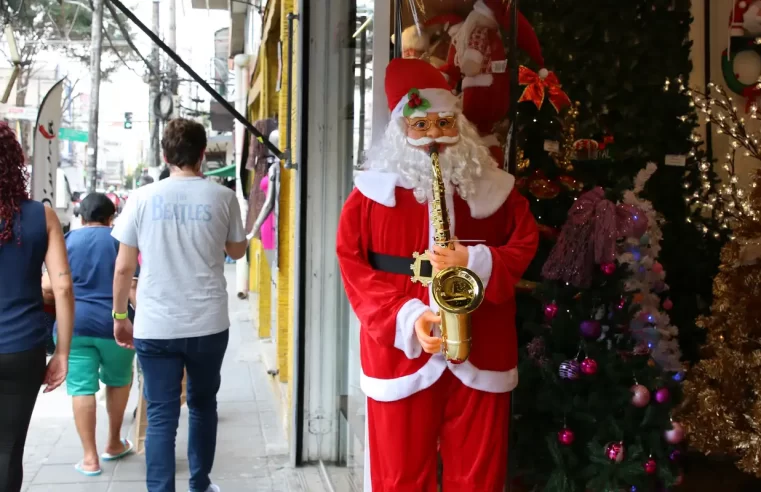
{"points": [[421, 142]]}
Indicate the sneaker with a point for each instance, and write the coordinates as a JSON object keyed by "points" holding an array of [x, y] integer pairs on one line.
{"points": [[213, 488]]}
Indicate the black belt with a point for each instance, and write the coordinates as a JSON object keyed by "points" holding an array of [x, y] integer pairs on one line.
{"points": [[397, 264]]}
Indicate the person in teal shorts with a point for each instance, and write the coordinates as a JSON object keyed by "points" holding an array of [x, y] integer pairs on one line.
{"points": [[95, 356]]}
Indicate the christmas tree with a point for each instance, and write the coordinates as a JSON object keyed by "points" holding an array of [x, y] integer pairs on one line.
{"points": [[722, 407], [593, 409], [623, 106]]}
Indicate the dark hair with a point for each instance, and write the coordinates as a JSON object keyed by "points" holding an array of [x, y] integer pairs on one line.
{"points": [[13, 180], [97, 208], [183, 142]]}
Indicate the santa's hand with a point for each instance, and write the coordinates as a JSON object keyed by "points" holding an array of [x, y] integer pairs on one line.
{"points": [[445, 257], [423, 330]]}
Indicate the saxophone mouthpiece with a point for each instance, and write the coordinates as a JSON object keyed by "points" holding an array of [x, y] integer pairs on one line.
{"points": [[433, 148]]}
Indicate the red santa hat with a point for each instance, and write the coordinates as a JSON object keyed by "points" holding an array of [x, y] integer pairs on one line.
{"points": [[415, 87]]}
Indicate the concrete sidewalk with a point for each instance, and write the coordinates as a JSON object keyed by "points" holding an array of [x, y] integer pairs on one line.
{"points": [[252, 453]]}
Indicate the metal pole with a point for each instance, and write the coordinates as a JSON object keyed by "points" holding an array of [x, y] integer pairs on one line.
{"points": [[219, 98], [172, 43], [514, 89], [92, 135], [289, 164], [154, 158], [511, 166], [398, 29]]}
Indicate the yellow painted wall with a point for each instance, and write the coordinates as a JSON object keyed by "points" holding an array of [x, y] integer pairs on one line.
{"points": [[270, 102], [287, 223], [265, 104]]}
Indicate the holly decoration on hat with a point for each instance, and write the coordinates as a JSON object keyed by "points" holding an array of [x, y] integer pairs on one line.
{"points": [[415, 103]]}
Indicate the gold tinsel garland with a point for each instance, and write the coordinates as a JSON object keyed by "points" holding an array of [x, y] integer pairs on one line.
{"points": [[722, 404]]}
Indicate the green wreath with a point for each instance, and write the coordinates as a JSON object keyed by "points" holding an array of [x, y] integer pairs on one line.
{"points": [[738, 45]]}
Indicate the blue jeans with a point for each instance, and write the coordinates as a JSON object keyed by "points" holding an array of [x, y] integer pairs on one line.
{"points": [[163, 362]]}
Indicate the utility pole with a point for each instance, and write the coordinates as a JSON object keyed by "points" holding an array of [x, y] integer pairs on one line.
{"points": [[92, 134], [172, 43], [154, 158]]}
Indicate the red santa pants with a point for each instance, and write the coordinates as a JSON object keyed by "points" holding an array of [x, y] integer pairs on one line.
{"points": [[470, 428]]}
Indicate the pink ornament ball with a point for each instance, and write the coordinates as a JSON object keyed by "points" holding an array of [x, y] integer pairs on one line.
{"points": [[657, 267], [662, 395], [589, 366], [566, 437], [668, 304], [591, 329], [675, 435], [615, 451], [608, 268], [550, 310], [640, 396], [650, 466]]}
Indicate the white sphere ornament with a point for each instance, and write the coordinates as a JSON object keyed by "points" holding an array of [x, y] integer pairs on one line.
{"points": [[543, 73]]}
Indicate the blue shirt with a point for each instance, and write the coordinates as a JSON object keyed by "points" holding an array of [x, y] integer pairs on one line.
{"points": [[92, 258], [22, 322]]}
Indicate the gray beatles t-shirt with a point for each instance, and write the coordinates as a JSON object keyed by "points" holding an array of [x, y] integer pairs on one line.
{"points": [[180, 225]]}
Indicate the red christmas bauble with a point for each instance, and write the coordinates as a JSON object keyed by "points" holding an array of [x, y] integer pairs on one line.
{"points": [[550, 310], [608, 268], [650, 466], [589, 366], [668, 304], [675, 435], [615, 451], [640, 396], [566, 437]]}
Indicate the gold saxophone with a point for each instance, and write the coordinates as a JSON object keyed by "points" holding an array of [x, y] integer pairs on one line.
{"points": [[456, 290]]}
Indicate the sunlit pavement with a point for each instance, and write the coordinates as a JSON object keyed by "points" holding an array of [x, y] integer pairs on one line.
{"points": [[252, 453]]}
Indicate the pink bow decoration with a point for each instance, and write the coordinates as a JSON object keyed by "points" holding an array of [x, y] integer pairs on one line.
{"points": [[589, 236]]}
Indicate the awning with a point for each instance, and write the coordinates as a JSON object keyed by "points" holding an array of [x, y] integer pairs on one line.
{"points": [[222, 172]]}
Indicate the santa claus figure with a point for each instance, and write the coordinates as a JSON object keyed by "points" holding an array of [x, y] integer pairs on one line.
{"points": [[417, 402], [477, 55], [745, 18]]}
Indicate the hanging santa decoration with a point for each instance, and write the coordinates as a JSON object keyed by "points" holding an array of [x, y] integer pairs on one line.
{"points": [[745, 19], [426, 41], [739, 65], [478, 57]]}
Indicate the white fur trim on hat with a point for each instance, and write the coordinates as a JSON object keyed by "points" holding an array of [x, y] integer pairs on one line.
{"points": [[441, 101], [453, 30], [482, 9]]}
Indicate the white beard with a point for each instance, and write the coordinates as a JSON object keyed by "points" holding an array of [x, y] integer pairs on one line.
{"points": [[461, 163]]}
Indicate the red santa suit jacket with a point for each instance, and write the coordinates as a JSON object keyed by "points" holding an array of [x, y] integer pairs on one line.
{"points": [[382, 215]]}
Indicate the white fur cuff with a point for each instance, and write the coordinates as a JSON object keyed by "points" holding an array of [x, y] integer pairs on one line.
{"points": [[480, 262], [473, 55], [406, 339]]}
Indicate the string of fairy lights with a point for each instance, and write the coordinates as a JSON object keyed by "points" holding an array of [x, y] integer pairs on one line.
{"points": [[720, 207]]}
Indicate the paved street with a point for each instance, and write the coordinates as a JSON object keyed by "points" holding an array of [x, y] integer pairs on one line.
{"points": [[251, 449]]}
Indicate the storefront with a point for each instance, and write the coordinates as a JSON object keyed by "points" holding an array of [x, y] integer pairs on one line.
{"points": [[339, 122]]}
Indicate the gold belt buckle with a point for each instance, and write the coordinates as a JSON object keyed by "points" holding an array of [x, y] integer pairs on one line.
{"points": [[417, 266]]}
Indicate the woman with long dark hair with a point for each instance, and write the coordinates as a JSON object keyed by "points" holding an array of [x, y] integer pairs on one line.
{"points": [[30, 236]]}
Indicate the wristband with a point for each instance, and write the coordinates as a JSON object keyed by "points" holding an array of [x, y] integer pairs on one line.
{"points": [[119, 316]]}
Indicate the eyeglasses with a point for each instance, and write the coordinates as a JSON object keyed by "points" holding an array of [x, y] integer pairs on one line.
{"points": [[425, 124]]}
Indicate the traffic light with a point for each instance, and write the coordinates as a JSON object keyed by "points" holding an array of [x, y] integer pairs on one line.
{"points": [[128, 121]]}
